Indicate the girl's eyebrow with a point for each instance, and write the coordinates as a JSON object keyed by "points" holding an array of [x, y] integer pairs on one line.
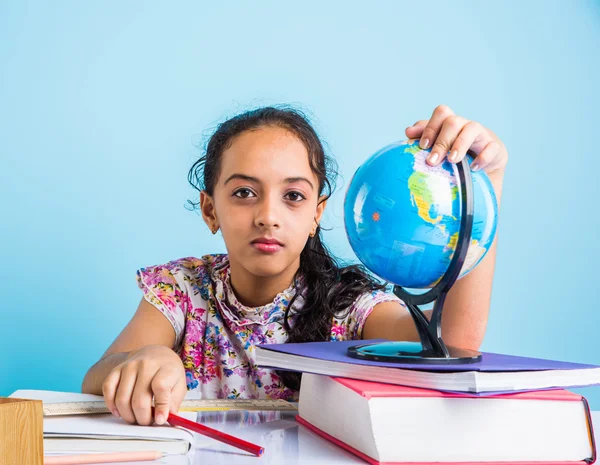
{"points": [[245, 177], [298, 178]]}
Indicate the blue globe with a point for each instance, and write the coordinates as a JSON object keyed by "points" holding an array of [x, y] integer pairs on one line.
{"points": [[402, 216]]}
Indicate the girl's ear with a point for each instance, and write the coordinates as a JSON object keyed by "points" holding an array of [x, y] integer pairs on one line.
{"points": [[209, 213], [320, 209]]}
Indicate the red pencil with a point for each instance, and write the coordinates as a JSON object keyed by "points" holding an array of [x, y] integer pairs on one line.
{"points": [[176, 420]]}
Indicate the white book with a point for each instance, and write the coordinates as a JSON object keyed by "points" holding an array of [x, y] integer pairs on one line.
{"points": [[72, 434], [393, 424]]}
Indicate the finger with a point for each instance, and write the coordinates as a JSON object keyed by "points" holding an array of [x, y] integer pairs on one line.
{"points": [[161, 388], [178, 394], [415, 131], [109, 390], [465, 139], [488, 157], [141, 399], [125, 391], [450, 130], [431, 131]]}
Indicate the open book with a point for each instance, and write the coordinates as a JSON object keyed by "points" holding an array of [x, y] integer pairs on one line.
{"points": [[74, 434]]}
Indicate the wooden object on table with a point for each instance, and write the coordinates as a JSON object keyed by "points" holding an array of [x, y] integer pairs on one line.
{"points": [[21, 432]]}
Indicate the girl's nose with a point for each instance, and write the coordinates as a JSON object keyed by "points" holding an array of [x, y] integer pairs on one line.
{"points": [[266, 214]]}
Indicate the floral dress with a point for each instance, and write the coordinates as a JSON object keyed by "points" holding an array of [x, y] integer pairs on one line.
{"points": [[216, 334]]}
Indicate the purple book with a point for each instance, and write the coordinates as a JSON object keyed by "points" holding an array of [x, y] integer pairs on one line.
{"points": [[495, 374]]}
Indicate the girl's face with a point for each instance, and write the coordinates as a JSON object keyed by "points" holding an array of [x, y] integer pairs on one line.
{"points": [[265, 201]]}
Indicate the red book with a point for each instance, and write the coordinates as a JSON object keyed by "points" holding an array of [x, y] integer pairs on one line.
{"points": [[391, 424]]}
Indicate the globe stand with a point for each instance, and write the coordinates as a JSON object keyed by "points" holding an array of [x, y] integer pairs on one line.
{"points": [[431, 349]]}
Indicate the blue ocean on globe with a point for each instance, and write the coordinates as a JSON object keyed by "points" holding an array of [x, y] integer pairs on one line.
{"points": [[402, 216]]}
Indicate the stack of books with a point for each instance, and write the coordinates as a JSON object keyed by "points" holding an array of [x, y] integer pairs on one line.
{"points": [[504, 409]]}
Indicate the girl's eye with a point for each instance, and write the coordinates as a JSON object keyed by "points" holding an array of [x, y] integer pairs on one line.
{"points": [[243, 193], [295, 196]]}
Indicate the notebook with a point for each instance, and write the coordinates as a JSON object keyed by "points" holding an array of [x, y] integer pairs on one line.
{"points": [[392, 424], [495, 374], [75, 434]]}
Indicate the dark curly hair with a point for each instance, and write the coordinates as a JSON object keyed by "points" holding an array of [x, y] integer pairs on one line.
{"points": [[330, 288]]}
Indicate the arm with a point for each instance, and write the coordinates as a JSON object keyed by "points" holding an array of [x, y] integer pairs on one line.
{"points": [[147, 327], [139, 368], [466, 308]]}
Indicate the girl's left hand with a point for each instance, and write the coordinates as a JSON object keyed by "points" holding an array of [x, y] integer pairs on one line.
{"points": [[451, 136]]}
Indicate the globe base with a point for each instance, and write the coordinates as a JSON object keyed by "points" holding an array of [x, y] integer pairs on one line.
{"points": [[412, 353]]}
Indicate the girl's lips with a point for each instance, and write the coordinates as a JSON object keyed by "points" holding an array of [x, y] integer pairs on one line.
{"points": [[266, 248]]}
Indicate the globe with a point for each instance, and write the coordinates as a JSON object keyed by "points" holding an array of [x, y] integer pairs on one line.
{"points": [[402, 216]]}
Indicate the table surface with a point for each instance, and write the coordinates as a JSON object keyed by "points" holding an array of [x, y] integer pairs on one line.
{"points": [[285, 442]]}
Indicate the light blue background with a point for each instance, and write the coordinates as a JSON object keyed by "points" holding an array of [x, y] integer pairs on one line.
{"points": [[102, 104]]}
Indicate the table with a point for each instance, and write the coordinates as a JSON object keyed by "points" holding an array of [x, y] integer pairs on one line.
{"points": [[285, 441]]}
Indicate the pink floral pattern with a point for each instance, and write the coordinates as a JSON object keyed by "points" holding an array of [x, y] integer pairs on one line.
{"points": [[216, 334]]}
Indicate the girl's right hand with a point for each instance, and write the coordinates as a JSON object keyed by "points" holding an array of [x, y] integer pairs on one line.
{"points": [[154, 371]]}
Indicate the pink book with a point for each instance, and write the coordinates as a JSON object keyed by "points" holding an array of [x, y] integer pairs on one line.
{"points": [[318, 392]]}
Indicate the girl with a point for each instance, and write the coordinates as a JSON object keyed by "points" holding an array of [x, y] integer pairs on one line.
{"points": [[264, 183]]}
